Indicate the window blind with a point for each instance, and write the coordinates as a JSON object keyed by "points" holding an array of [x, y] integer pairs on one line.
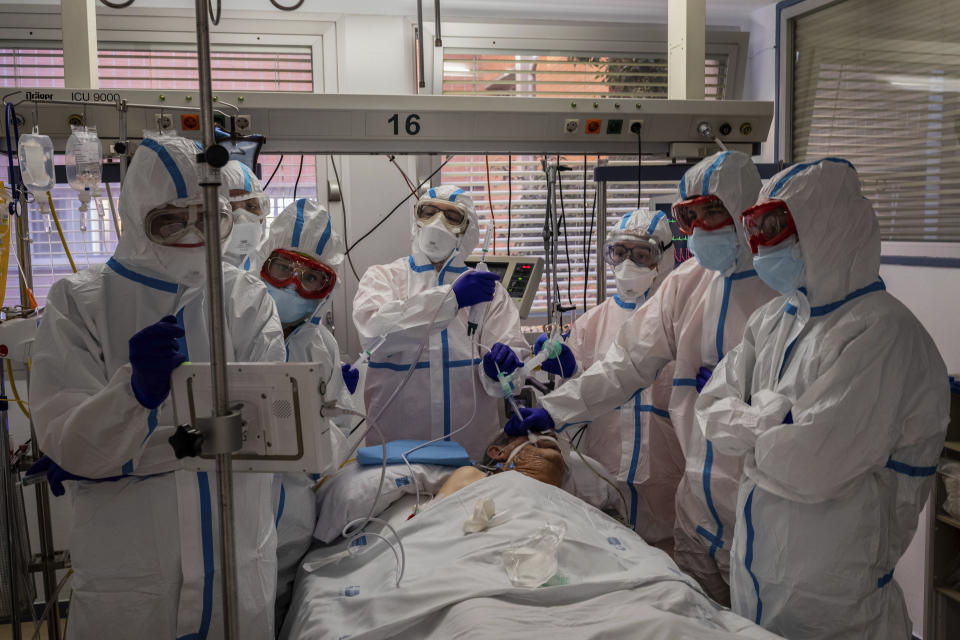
{"points": [[878, 82], [518, 188], [91, 236]]}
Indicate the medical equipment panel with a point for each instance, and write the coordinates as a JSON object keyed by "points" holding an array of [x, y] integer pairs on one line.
{"points": [[520, 275], [280, 410]]}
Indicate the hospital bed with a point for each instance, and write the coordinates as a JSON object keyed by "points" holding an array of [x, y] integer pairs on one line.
{"points": [[609, 584]]}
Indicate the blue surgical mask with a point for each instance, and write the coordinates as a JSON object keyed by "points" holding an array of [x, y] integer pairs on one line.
{"points": [[291, 307], [716, 250], [781, 267]]}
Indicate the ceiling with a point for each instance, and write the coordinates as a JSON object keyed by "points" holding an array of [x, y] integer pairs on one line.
{"points": [[719, 12]]}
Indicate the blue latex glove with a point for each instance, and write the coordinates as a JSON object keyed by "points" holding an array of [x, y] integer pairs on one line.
{"points": [[563, 365], [788, 419], [351, 377], [154, 353], [500, 355], [703, 376], [528, 420], [474, 287], [56, 475]]}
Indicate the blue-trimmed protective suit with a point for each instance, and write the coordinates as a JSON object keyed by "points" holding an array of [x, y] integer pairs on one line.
{"points": [[145, 548], [409, 298], [648, 474], [694, 318], [829, 503]]}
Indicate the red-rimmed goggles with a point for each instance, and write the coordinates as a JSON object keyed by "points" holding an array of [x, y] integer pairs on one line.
{"points": [[767, 224], [707, 212], [314, 280]]}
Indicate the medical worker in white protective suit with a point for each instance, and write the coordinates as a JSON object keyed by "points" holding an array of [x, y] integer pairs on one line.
{"points": [[429, 294], [300, 263], [695, 317], [145, 542], [250, 204], [838, 400], [640, 250]]}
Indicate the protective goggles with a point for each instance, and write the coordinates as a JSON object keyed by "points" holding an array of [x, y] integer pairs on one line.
{"points": [[767, 224], [174, 226], [453, 216], [706, 212], [256, 203], [644, 252], [314, 280]]}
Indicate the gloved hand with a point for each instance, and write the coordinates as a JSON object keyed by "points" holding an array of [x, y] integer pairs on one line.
{"points": [[703, 376], [55, 474], [351, 377], [474, 287], [564, 364], [500, 355], [154, 353], [788, 419], [528, 420]]}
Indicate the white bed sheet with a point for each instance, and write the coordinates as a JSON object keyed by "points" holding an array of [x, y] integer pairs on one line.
{"points": [[617, 586]]}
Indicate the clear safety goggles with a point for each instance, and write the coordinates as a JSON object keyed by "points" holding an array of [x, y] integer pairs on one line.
{"points": [[644, 252], [767, 224], [256, 203], [453, 216], [706, 212], [183, 226], [313, 279]]}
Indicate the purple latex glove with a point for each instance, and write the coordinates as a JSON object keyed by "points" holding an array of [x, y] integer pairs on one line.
{"points": [[564, 365], [528, 420], [351, 377], [500, 355], [703, 376], [154, 354], [474, 287]]}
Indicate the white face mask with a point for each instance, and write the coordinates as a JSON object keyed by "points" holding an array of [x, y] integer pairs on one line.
{"points": [[436, 241], [633, 281], [183, 265], [246, 234]]}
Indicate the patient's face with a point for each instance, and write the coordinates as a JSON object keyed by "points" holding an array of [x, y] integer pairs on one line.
{"points": [[539, 460]]}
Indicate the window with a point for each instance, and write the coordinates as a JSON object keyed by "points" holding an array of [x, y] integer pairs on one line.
{"points": [[878, 82], [91, 236], [517, 185]]}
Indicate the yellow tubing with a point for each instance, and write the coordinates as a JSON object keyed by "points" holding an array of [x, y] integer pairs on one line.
{"points": [[13, 387], [63, 241]]}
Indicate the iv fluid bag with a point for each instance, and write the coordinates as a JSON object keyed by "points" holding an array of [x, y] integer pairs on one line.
{"points": [[84, 162], [35, 153]]}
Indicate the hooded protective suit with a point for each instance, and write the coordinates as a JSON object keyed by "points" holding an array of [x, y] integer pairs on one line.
{"points": [[695, 317], [248, 228], [144, 548], [614, 439], [409, 298], [304, 227], [828, 504]]}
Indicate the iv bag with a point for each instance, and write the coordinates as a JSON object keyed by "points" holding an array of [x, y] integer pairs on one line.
{"points": [[84, 163], [35, 153]]}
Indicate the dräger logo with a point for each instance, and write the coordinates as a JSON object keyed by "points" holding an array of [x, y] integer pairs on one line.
{"points": [[39, 96]]}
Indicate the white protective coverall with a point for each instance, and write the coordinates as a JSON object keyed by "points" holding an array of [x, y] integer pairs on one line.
{"points": [[400, 300], [305, 227], [145, 547], [828, 504], [248, 232], [695, 317], [614, 439]]}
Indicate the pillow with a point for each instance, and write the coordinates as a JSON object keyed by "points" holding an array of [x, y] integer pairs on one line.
{"points": [[588, 486], [446, 453], [349, 494]]}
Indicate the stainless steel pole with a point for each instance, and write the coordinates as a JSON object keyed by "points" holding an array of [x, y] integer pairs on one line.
{"points": [[420, 69], [47, 550], [210, 179], [601, 237], [122, 126], [23, 251], [9, 514], [550, 239]]}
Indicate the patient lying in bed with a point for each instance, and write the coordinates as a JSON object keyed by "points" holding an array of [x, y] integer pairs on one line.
{"points": [[609, 583]]}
